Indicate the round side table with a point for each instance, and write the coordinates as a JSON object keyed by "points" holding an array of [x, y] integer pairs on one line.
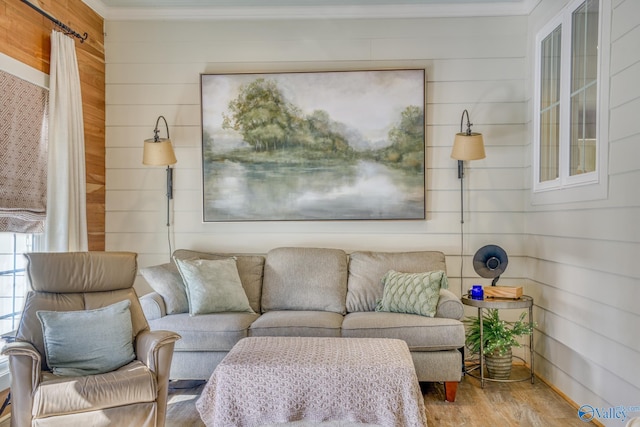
{"points": [[524, 301]]}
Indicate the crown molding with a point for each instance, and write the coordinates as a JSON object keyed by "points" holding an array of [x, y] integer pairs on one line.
{"points": [[98, 7], [213, 13]]}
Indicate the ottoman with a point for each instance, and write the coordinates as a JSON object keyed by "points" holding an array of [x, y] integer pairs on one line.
{"points": [[268, 380]]}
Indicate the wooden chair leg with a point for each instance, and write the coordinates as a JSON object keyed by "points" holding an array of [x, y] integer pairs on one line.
{"points": [[450, 389]]}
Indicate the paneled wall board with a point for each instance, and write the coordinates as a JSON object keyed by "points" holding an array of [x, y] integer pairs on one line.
{"points": [[475, 64], [623, 86], [626, 19], [621, 46], [559, 362], [583, 256], [321, 29], [463, 69]]}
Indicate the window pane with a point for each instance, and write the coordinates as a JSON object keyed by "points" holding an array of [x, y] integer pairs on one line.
{"points": [[583, 131], [550, 69], [549, 106], [549, 144], [584, 75], [12, 279]]}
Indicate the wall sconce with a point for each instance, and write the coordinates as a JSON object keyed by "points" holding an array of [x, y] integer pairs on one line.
{"points": [[159, 152], [466, 146]]}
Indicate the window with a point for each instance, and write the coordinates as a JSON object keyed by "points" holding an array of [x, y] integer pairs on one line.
{"points": [[12, 279], [12, 289], [571, 115]]}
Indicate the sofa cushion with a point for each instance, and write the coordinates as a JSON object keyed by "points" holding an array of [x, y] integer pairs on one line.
{"points": [[305, 279], [297, 324], [419, 332], [249, 268], [366, 270], [165, 279], [412, 293], [213, 286], [207, 332]]}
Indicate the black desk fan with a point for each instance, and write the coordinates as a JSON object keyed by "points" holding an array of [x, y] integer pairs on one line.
{"points": [[490, 262]]}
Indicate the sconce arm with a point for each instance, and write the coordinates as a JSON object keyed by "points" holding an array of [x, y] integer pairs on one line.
{"points": [[156, 138]]}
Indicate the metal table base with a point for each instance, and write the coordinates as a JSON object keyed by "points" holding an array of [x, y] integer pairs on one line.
{"points": [[524, 301]]}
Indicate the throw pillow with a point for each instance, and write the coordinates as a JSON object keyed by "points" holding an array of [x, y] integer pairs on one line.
{"points": [[412, 293], [213, 286], [88, 342], [165, 279]]}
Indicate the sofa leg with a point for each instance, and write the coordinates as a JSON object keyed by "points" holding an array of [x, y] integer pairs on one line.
{"points": [[450, 389]]}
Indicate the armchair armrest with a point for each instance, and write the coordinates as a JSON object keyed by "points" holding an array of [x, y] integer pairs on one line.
{"points": [[25, 365], [153, 348], [25, 360], [153, 306], [449, 305]]}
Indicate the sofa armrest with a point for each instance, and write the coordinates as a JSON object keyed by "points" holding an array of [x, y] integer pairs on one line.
{"points": [[153, 306], [449, 305]]}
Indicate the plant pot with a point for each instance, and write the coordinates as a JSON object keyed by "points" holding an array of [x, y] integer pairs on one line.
{"points": [[499, 367]]}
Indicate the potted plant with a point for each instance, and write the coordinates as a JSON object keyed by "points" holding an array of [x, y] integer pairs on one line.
{"points": [[499, 338]]}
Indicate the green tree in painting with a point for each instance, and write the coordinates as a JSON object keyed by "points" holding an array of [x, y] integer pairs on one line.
{"points": [[320, 131], [407, 139], [268, 122], [261, 114]]}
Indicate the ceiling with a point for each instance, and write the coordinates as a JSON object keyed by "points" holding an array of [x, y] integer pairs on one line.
{"points": [[300, 9]]}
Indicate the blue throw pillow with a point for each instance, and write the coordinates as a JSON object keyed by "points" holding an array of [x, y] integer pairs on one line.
{"points": [[88, 342]]}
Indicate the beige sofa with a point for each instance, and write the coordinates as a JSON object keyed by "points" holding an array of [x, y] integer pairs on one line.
{"points": [[309, 292]]}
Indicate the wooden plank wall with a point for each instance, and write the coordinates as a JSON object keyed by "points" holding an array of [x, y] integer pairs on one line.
{"points": [[471, 63], [583, 257], [25, 36]]}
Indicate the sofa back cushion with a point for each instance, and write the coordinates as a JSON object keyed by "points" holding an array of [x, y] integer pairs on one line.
{"points": [[165, 279], [305, 279], [249, 269], [366, 270]]}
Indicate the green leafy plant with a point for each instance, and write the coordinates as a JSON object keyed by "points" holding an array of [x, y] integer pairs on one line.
{"points": [[499, 335]]}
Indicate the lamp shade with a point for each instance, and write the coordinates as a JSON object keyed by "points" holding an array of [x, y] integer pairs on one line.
{"points": [[158, 153], [468, 146]]}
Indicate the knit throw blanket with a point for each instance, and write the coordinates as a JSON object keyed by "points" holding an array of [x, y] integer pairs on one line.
{"points": [[268, 380]]}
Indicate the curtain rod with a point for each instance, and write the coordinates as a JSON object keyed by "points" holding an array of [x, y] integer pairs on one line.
{"points": [[67, 30]]}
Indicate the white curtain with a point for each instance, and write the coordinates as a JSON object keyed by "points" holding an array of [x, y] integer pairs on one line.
{"points": [[66, 223]]}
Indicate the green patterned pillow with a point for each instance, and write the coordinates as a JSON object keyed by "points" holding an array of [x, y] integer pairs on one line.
{"points": [[412, 293]]}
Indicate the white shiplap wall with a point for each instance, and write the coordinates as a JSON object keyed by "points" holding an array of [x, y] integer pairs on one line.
{"points": [[583, 257], [579, 260], [153, 69]]}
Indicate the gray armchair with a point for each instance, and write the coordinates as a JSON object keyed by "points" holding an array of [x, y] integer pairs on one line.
{"points": [[133, 395]]}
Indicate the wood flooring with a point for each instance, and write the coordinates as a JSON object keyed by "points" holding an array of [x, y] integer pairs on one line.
{"points": [[498, 404]]}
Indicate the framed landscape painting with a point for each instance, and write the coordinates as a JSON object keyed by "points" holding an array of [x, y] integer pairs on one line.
{"points": [[345, 145]]}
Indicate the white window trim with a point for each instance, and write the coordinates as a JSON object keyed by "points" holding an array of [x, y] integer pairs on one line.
{"points": [[592, 185], [5, 376]]}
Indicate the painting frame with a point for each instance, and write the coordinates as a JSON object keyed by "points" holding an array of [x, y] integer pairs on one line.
{"points": [[314, 145]]}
